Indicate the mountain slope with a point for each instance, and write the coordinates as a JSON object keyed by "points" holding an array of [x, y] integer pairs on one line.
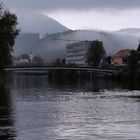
{"points": [[42, 24], [130, 31], [26, 42], [112, 42], [54, 45]]}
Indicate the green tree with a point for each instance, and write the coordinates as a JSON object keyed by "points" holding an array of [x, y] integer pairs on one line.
{"points": [[37, 59], [132, 65], [8, 33], [25, 56], [138, 49], [95, 53]]}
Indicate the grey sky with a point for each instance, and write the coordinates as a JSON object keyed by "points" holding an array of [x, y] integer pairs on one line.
{"points": [[99, 10], [52, 5]]}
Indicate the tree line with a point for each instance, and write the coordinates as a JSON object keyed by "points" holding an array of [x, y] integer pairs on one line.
{"points": [[8, 33]]}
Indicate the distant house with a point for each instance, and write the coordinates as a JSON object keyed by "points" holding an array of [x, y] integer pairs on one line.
{"points": [[118, 57]]}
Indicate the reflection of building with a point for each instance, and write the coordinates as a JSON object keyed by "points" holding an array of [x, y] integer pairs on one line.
{"points": [[118, 57], [76, 53]]}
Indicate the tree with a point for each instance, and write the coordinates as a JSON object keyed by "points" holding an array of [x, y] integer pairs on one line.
{"points": [[138, 49], [25, 56], [95, 53], [37, 59], [8, 33], [132, 65]]}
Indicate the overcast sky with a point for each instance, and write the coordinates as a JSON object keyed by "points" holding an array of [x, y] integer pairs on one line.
{"points": [[82, 14]]}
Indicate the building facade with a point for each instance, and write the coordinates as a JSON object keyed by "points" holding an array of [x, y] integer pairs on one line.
{"points": [[119, 56], [76, 53]]}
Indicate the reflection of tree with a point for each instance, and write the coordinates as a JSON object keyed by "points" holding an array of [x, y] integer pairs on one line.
{"points": [[8, 33], [29, 82], [6, 121]]}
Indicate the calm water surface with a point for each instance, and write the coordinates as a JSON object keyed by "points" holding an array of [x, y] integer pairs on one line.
{"points": [[31, 108]]}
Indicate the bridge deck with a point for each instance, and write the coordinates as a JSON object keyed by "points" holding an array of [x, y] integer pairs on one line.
{"points": [[58, 68]]}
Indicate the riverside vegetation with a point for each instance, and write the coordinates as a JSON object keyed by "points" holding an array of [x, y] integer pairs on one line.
{"points": [[129, 74], [8, 33]]}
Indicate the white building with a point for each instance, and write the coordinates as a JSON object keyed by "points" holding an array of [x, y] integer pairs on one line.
{"points": [[31, 56], [76, 53]]}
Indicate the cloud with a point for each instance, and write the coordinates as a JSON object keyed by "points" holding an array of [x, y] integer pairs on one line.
{"points": [[94, 11], [53, 5]]}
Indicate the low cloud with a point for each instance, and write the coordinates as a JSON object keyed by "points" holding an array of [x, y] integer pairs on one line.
{"points": [[53, 5], [31, 11]]}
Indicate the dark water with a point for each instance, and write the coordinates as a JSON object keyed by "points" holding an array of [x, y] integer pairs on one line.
{"points": [[31, 108]]}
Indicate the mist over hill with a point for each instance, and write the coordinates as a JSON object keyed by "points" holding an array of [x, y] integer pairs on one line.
{"points": [[53, 46], [26, 42], [42, 24], [130, 31]]}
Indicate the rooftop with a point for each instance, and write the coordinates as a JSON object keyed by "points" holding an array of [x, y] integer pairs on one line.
{"points": [[122, 53]]}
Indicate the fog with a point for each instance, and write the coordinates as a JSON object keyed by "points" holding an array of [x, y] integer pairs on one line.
{"points": [[54, 46]]}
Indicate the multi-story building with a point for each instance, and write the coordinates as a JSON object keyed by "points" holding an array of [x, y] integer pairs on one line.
{"points": [[76, 53]]}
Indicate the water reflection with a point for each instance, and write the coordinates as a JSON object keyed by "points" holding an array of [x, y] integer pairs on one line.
{"points": [[79, 111], [28, 82], [7, 130], [39, 109]]}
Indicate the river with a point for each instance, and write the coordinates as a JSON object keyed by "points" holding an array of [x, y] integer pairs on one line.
{"points": [[31, 108]]}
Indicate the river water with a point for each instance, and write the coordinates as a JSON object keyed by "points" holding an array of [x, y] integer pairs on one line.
{"points": [[31, 108]]}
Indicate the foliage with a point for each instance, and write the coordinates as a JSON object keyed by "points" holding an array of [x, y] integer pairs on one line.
{"points": [[25, 56], [8, 33], [138, 49], [138, 74], [59, 62], [95, 53], [132, 64], [37, 59], [132, 72]]}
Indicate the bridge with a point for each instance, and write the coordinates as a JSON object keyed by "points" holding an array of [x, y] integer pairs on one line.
{"points": [[44, 69]]}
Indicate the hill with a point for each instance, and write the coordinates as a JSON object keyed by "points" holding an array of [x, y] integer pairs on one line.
{"points": [[131, 31], [53, 45], [41, 24]]}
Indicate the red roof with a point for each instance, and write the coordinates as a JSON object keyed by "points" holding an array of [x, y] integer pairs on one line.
{"points": [[122, 53]]}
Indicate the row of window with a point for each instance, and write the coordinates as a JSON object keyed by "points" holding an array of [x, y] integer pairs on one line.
{"points": [[75, 60], [78, 55], [75, 46], [75, 51]]}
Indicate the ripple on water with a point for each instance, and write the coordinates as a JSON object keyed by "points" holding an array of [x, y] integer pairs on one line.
{"points": [[41, 111]]}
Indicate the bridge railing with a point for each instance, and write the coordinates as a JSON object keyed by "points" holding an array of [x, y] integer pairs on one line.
{"points": [[58, 68]]}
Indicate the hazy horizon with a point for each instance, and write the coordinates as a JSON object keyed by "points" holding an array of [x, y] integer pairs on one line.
{"points": [[105, 15]]}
